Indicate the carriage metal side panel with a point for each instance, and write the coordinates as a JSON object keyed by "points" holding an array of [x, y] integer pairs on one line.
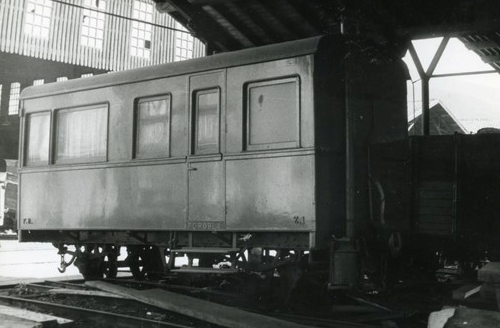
{"points": [[237, 79], [130, 198], [271, 193], [270, 188], [205, 169], [122, 193]]}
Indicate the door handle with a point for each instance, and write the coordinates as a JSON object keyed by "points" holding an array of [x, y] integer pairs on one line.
{"points": [[192, 169]]}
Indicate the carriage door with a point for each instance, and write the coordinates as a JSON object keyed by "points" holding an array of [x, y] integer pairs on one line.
{"points": [[206, 194]]}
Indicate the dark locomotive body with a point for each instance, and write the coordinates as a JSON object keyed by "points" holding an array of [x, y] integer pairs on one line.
{"points": [[234, 151]]}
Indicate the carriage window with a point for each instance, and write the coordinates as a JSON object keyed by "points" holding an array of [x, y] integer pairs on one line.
{"points": [[37, 139], [153, 127], [273, 114], [206, 115], [81, 134]]}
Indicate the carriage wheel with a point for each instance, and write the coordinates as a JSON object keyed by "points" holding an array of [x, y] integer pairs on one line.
{"points": [[145, 262], [95, 262], [90, 262], [109, 265]]}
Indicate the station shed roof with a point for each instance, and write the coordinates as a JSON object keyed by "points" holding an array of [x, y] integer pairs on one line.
{"points": [[227, 25]]}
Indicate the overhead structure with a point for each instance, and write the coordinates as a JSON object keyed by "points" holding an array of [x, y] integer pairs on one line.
{"points": [[227, 25]]}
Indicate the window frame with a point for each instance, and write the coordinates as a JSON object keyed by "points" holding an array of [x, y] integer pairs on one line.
{"points": [[91, 11], [152, 155], [247, 115], [138, 50], [79, 160], [181, 37], [32, 24], [195, 150], [26, 139], [14, 110]]}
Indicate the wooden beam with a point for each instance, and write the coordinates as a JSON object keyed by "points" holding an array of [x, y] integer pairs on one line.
{"points": [[239, 28], [218, 314], [479, 45], [491, 59], [10, 321], [309, 14], [259, 21], [416, 60], [204, 26], [465, 291], [94, 293], [210, 2], [437, 55], [451, 29], [465, 73], [227, 11], [45, 320], [292, 29]]}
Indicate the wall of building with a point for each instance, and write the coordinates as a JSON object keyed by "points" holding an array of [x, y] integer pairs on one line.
{"points": [[25, 70], [105, 34], [51, 39]]}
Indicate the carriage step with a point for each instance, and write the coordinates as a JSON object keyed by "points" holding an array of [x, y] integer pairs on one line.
{"points": [[207, 250], [205, 270]]}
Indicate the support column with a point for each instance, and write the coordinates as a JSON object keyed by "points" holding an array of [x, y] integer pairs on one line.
{"points": [[350, 165], [425, 106], [425, 77], [4, 107]]}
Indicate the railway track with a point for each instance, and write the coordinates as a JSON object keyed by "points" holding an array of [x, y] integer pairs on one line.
{"points": [[90, 310], [96, 309], [87, 317], [130, 303]]}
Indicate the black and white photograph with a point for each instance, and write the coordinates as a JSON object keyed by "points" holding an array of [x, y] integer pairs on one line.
{"points": [[250, 163]]}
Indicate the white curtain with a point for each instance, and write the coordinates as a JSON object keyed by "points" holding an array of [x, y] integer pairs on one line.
{"points": [[38, 139], [153, 128], [208, 121], [82, 133]]}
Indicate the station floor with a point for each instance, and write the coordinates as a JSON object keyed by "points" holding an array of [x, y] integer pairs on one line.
{"points": [[25, 261]]}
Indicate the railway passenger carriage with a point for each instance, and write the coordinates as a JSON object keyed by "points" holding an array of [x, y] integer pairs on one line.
{"points": [[213, 155]]}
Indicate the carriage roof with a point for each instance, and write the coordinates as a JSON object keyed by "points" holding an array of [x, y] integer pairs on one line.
{"points": [[218, 61]]}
